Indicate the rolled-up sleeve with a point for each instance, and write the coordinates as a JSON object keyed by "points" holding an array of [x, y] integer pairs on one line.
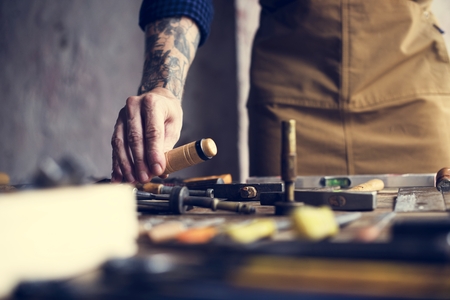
{"points": [[200, 11]]}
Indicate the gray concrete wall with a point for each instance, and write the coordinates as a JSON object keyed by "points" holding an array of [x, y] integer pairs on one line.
{"points": [[67, 68]]}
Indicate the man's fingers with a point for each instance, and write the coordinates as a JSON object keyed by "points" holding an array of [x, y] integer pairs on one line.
{"points": [[135, 138], [154, 132], [122, 162]]}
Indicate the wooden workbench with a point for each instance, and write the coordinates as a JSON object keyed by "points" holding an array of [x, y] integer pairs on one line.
{"points": [[276, 276]]}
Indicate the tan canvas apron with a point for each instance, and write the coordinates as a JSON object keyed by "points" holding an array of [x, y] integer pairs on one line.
{"points": [[368, 82]]}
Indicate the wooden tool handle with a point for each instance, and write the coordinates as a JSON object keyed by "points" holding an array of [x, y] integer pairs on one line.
{"points": [[189, 155], [371, 185], [227, 178], [4, 178], [150, 187]]}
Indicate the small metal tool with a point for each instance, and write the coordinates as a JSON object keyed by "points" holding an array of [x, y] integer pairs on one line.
{"points": [[419, 199], [288, 168], [422, 199], [245, 192], [158, 188], [179, 199]]}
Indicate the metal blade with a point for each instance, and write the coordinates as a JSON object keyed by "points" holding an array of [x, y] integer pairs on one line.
{"points": [[414, 199]]}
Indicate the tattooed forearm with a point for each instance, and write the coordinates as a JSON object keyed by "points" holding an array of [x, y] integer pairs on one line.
{"points": [[170, 47]]}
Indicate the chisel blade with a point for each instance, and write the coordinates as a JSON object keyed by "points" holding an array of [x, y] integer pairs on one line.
{"points": [[418, 199]]}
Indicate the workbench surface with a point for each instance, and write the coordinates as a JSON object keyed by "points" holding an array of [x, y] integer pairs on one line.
{"points": [[271, 268]]}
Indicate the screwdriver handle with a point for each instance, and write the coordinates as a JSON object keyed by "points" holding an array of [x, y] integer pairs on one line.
{"points": [[189, 155], [369, 186]]}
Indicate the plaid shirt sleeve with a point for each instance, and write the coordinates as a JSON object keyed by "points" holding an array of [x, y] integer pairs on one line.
{"points": [[201, 11]]}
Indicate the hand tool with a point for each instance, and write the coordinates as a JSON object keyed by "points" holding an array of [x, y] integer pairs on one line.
{"points": [[372, 232], [179, 198], [346, 181], [197, 183], [288, 168], [410, 199], [158, 188], [245, 192], [443, 180], [359, 199], [224, 178], [189, 155], [339, 199]]}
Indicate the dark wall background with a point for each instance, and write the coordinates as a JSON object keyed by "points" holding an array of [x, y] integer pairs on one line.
{"points": [[67, 68]]}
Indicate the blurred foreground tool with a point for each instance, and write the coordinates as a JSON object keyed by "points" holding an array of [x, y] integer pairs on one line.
{"points": [[184, 231], [310, 223], [328, 278], [179, 199], [372, 232], [347, 181], [45, 233], [288, 168], [66, 171], [422, 199], [189, 155], [317, 223]]}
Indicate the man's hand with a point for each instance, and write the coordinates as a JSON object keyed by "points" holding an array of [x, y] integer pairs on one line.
{"points": [[150, 124], [146, 127]]}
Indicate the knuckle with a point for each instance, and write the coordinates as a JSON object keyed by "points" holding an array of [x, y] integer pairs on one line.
{"points": [[151, 133], [116, 142], [134, 137], [132, 101]]}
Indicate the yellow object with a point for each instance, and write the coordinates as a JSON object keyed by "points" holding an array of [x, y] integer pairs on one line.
{"points": [[314, 223], [4, 178], [256, 230]]}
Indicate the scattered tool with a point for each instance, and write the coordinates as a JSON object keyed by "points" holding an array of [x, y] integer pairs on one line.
{"points": [[158, 188], [288, 168], [338, 200], [346, 181], [245, 192], [223, 178], [443, 180], [372, 232], [189, 155], [421, 199], [361, 197], [179, 199]]}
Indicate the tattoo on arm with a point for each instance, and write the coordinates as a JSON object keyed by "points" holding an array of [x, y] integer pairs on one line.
{"points": [[170, 47]]}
